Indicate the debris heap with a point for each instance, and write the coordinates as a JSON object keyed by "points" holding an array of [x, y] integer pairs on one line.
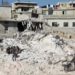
{"points": [[41, 55]]}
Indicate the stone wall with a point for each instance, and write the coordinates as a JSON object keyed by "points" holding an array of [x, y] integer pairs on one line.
{"points": [[8, 28], [5, 12]]}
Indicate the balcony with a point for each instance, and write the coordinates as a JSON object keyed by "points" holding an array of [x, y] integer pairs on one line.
{"points": [[19, 6]]}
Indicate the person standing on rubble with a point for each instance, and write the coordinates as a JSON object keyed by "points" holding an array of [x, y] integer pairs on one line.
{"points": [[17, 49], [61, 43], [14, 53], [73, 60]]}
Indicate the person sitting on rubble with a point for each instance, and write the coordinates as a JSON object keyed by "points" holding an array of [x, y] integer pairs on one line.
{"points": [[8, 50], [67, 67], [17, 49], [14, 53], [73, 60]]}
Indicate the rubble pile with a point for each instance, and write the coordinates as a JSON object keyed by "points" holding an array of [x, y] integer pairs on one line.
{"points": [[41, 55]]}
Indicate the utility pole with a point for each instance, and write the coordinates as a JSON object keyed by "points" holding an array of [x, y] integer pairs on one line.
{"points": [[2, 2], [19, 0]]}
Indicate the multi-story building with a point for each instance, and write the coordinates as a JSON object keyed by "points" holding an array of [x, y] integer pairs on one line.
{"points": [[62, 18], [22, 9], [13, 17]]}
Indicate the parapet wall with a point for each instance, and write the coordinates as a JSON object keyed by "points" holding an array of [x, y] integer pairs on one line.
{"points": [[63, 32]]}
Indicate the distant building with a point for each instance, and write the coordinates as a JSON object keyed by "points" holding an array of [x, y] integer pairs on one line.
{"points": [[62, 18], [21, 9]]}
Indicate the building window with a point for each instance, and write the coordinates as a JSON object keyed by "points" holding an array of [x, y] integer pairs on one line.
{"points": [[20, 13], [61, 4], [24, 9], [44, 12], [73, 5], [73, 24], [64, 12], [65, 24], [6, 22], [55, 24], [6, 27], [15, 16]]}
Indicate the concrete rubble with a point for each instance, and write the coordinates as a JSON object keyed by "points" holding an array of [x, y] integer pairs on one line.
{"points": [[40, 55]]}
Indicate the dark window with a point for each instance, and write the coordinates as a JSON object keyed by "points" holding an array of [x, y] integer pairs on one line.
{"points": [[73, 5], [73, 24], [15, 16], [6, 27], [65, 24], [21, 9], [44, 12], [64, 12], [34, 15], [6, 22], [24, 9], [55, 24]]}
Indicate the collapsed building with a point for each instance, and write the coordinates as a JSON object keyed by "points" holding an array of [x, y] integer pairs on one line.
{"points": [[59, 18], [42, 53], [22, 16], [9, 27]]}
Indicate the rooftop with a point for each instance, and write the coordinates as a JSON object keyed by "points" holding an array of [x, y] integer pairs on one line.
{"points": [[5, 5], [59, 16], [72, 2], [8, 20], [25, 3]]}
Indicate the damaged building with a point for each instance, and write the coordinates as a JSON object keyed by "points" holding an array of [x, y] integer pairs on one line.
{"points": [[28, 45], [26, 15], [18, 18], [22, 10], [7, 28]]}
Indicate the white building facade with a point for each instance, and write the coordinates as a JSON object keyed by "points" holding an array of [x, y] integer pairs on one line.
{"points": [[5, 12]]}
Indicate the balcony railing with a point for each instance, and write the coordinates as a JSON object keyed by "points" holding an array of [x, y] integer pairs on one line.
{"points": [[59, 16], [24, 6]]}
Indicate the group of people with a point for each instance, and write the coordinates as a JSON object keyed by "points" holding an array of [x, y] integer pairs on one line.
{"points": [[14, 50]]}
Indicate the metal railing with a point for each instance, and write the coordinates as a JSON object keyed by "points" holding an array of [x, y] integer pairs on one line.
{"points": [[59, 16], [24, 6]]}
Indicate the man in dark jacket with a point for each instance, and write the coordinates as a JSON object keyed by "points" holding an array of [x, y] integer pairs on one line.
{"points": [[14, 53]]}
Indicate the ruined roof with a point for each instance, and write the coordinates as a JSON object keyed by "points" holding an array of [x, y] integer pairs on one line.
{"points": [[5, 5], [34, 3], [8, 20]]}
